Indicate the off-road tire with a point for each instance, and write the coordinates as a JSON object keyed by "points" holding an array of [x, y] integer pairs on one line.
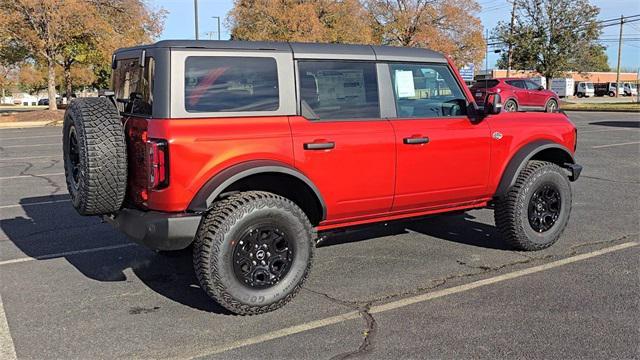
{"points": [[214, 247], [510, 106], [511, 210], [551, 106], [101, 182]]}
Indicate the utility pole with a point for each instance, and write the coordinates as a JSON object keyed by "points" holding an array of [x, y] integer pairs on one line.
{"points": [[195, 10], [486, 57], [218, 18], [619, 53], [513, 19]]}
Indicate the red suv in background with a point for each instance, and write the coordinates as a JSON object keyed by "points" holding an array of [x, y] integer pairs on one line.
{"points": [[517, 94]]}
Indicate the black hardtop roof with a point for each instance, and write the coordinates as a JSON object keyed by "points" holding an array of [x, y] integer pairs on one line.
{"points": [[304, 50]]}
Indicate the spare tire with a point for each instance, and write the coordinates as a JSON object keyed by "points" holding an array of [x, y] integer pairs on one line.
{"points": [[95, 156]]}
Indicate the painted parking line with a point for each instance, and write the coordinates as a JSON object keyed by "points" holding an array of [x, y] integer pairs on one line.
{"points": [[33, 204], [31, 145], [67, 253], [32, 157], [7, 349], [619, 144], [604, 130], [31, 137], [405, 302], [29, 176]]}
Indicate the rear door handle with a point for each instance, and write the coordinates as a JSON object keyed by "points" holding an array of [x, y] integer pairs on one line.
{"points": [[415, 140], [320, 145]]}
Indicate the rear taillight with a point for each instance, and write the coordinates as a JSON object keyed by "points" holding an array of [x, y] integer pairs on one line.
{"points": [[157, 152]]}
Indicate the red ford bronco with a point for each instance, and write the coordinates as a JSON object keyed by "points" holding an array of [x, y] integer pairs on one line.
{"points": [[248, 150]]}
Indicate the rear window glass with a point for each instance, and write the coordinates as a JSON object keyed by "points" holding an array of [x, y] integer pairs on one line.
{"points": [[133, 86], [230, 84], [485, 84], [338, 90]]}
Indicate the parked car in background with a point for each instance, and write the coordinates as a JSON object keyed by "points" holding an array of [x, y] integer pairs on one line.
{"points": [[517, 94], [630, 89], [584, 89], [608, 88]]}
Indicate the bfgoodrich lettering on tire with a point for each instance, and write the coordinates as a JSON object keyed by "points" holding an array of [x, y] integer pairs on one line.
{"points": [[253, 251], [95, 156], [535, 211]]}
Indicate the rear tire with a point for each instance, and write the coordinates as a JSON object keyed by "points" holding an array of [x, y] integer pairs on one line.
{"points": [[536, 210], [95, 156], [253, 251], [510, 106]]}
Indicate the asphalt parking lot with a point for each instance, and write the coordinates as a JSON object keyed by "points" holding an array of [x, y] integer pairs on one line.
{"points": [[442, 287]]}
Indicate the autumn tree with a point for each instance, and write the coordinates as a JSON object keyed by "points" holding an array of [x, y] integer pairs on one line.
{"points": [[448, 26], [298, 20], [554, 36], [66, 32]]}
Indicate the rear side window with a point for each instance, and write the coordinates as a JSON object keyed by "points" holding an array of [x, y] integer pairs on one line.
{"points": [[531, 85], [485, 84], [133, 86], [426, 91], [230, 84], [338, 90]]}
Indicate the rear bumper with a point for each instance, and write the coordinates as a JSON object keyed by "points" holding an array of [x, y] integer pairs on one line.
{"points": [[156, 230]]}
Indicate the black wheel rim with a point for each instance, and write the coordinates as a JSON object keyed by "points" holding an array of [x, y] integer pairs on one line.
{"points": [[262, 256], [74, 156], [544, 208]]}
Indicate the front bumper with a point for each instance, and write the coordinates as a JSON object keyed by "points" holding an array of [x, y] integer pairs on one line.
{"points": [[156, 230], [575, 171]]}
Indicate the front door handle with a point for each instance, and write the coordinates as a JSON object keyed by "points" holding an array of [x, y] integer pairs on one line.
{"points": [[320, 145], [415, 140]]}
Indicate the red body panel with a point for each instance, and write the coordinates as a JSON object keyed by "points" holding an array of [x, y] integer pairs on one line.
{"points": [[201, 148], [452, 168], [356, 178]]}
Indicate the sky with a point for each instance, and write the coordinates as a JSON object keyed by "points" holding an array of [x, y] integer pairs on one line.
{"points": [[180, 23]]}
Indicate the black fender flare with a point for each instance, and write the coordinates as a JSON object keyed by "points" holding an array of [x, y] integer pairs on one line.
{"points": [[205, 197], [522, 156]]}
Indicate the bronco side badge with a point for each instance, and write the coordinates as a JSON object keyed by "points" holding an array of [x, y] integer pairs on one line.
{"points": [[497, 135]]}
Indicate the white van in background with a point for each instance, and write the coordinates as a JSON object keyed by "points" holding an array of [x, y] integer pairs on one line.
{"points": [[584, 89], [630, 89]]}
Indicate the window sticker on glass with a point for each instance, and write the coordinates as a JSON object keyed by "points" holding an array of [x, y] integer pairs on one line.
{"points": [[404, 84]]}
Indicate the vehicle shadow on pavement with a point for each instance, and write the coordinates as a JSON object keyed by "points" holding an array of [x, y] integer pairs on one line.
{"points": [[53, 227], [459, 228], [625, 124]]}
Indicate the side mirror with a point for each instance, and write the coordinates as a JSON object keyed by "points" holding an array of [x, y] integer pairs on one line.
{"points": [[493, 104], [540, 87]]}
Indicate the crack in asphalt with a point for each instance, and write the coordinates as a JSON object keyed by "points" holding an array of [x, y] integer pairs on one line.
{"points": [[368, 334]]}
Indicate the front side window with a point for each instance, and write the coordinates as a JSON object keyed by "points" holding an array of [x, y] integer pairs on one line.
{"points": [[133, 86], [517, 83], [230, 84], [426, 90], [532, 86], [338, 90]]}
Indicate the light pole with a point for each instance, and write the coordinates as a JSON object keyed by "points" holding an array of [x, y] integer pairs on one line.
{"points": [[195, 10], [217, 18]]}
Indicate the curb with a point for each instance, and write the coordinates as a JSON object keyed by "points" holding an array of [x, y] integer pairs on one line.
{"points": [[27, 124]]}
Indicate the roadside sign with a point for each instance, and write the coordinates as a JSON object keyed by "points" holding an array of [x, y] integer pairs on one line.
{"points": [[467, 72]]}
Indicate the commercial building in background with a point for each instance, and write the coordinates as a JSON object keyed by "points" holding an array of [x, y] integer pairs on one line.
{"points": [[595, 77]]}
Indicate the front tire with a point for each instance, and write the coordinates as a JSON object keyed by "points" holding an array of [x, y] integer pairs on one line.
{"points": [[551, 106], [253, 251], [535, 211]]}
